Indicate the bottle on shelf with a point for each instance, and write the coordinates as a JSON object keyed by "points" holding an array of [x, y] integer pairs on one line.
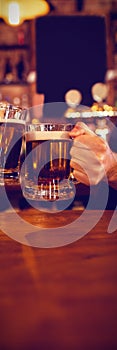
{"points": [[20, 69], [8, 71]]}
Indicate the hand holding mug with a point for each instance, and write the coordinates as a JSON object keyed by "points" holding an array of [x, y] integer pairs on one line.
{"points": [[91, 156]]}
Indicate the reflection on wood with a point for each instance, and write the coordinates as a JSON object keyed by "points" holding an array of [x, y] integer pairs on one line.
{"points": [[63, 298]]}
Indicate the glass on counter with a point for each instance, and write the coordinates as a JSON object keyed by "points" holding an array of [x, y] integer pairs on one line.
{"points": [[46, 174], [12, 125]]}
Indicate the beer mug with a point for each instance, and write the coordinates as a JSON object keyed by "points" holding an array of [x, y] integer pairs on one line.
{"points": [[46, 174], [12, 126]]}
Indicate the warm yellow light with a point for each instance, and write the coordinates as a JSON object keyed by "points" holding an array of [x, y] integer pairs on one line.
{"points": [[15, 12]]}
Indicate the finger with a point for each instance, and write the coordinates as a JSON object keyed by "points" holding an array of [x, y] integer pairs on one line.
{"points": [[95, 143], [86, 156], [76, 132], [81, 129], [93, 170], [78, 168], [75, 165], [81, 177]]}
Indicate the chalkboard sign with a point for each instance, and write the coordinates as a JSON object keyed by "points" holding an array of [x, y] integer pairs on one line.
{"points": [[71, 53]]}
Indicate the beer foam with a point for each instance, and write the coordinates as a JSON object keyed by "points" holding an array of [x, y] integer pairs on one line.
{"points": [[11, 120], [46, 135]]}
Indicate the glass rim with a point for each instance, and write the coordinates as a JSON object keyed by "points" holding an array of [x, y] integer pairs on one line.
{"points": [[11, 112], [10, 107], [47, 123], [48, 126]]}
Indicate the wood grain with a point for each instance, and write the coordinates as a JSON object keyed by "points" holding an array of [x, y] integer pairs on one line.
{"points": [[59, 298]]}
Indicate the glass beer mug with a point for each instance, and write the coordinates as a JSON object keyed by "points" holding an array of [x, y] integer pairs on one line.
{"points": [[12, 126], [46, 172]]}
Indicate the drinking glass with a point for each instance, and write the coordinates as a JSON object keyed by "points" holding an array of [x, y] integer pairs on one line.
{"points": [[46, 172], [12, 126]]}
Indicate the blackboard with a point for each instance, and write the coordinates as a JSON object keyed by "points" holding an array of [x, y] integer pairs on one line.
{"points": [[71, 53]]}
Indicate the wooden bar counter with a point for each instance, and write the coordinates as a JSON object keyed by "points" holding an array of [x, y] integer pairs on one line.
{"points": [[62, 298]]}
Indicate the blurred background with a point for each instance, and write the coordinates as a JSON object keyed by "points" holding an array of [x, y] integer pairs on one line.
{"points": [[72, 46]]}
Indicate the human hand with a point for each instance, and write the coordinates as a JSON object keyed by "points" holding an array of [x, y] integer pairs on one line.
{"points": [[91, 156]]}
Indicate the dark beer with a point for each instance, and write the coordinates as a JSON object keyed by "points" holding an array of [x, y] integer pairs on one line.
{"points": [[11, 132], [47, 163]]}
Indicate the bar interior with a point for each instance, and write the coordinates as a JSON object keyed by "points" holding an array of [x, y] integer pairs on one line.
{"points": [[58, 174]]}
